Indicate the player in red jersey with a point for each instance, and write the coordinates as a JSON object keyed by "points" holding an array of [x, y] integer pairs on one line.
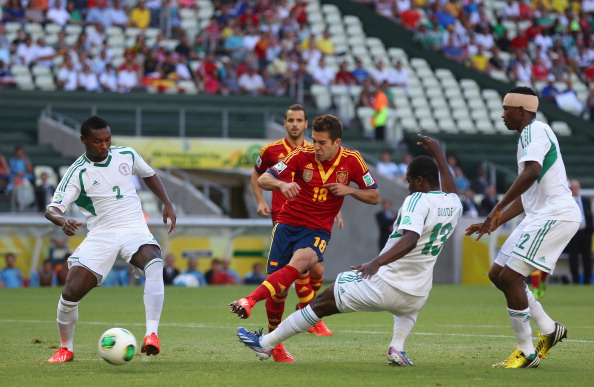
{"points": [[295, 123], [314, 180]]}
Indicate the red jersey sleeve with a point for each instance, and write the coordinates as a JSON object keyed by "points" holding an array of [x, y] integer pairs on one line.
{"points": [[361, 174]]}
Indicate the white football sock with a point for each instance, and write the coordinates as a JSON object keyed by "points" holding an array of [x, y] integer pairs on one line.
{"points": [[546, 325], [520, 320], [67, 317], [154, 294], [298, 322], [402, 327]]}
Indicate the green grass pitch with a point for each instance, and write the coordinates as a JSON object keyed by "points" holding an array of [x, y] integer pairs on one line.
{"points": [[461, 331]]}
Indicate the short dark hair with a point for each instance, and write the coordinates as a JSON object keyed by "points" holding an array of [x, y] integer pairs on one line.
{"points": [[522, 90], [425, 167], [93, 123], [328, 123], [296, 108]]}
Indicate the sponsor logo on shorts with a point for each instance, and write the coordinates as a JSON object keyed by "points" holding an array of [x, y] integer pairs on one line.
{"points": [[95, 184], [407, 220], [58, 197], [124, 169], [279, 167], [368, 179], [342, 177], [259, 161]]}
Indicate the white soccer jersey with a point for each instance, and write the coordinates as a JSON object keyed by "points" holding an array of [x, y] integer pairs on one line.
{"points": [[549, 197], [432, 215], [104, 191]]}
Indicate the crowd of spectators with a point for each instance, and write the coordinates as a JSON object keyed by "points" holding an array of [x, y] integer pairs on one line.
{"points": [[257, 47], [19, 184], [534, 42]]}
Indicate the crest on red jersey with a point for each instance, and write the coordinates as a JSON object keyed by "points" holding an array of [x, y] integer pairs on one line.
{"points": [[307, 175], [342, 177]]}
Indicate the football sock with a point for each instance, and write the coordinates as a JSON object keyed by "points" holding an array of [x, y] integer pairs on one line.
{"points": [[402, 327], [298, 322], [275, 283], [520, 320], [154, 294], [535, 279], [275, 308], [67, 318], [316, 283], [545, 324], [304, 291]]}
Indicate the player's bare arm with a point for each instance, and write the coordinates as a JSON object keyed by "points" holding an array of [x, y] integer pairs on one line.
{"points": [[155, 184], [263, 207], [520, 185], [56, 216], [270, 183], [405, 244], [433, 149], [515, 209], [369, 196], [339, 220]]}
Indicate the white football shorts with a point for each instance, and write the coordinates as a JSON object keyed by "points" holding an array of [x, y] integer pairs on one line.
{"points": [[536, 245], [354, 294], [100, 249]]}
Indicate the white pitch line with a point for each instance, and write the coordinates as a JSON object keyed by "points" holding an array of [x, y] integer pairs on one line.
{"points": [[193, 325]]}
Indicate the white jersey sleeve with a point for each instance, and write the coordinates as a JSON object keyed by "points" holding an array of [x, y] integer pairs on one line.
{"points": [[140, 167], [413, 214], [537, 145], [69, 188]]}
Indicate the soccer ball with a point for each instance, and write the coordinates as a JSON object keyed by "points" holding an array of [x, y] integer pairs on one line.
{"points": [[117, 346]]}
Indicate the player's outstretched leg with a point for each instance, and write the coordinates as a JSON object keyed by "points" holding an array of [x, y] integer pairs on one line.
{"points": [[67, 318], [154, 294], [548, 341], [274, 284], [403, 325], [252, 341]]}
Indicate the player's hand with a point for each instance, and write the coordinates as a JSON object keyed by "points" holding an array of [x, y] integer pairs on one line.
{"points": [[339, 220], [70, 226], [367, 270], [290, 190], [169, 212], [430, 145], [339, 189], [263, 209]]}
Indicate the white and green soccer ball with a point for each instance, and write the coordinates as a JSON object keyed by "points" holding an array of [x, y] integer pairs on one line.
{"points": [[117, 346]]}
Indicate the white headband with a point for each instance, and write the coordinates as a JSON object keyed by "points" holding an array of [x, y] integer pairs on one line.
{"points": [[528, 102]]}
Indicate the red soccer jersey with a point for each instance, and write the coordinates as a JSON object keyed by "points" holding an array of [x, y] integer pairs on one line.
{"points": [[316, 207], [270, 155]]}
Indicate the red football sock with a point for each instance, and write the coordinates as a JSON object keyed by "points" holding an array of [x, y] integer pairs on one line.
{"points": [[274, 310], [275, 283], [316, 284], [304, 291], [535, 279]]}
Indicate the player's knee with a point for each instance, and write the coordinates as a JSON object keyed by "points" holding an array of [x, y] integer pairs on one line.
{"points": [[324, 304], [153, 270]]}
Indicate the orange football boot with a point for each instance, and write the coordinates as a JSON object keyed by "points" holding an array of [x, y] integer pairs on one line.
{"points": [[151, 345], [62, 355]]}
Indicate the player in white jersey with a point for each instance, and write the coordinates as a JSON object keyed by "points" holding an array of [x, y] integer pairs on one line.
{"points": [[552, 218], [404, 267], [100, 183]]}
